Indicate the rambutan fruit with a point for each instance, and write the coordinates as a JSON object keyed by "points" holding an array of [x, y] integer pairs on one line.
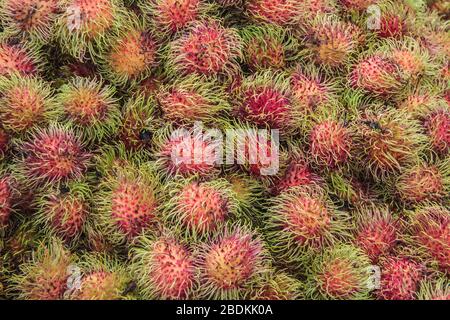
{"points": [[193, 98], [377, 232], [400, 278], [266, 100], [198, 209], [138, 123], [25, 103], [278, 286], [268, 46], [377, 75], [358, 5], [420, 102], [429, 234], [436, 289], [303, 220], [205, 48], [64, 211], [231, 264], [338, 273], [34, 18], [45, 276], [89, 108], [388, 140], [17, 58], [350, 190], [83, 26], [437, 126], [127, 202], [164, 267], [395, 20], [131, 54], [424, 182], [171, 16], [104, 278], [4, 142], [7, 195], [333, 41], [53, 155]]}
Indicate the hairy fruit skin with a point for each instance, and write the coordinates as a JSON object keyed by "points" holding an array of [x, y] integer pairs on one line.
{"points": [[6, 199], [16, 58], [278, 286], [437, 126]]}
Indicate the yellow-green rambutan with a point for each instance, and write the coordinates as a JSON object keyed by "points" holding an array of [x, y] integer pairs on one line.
{"points": [[18, 58], [278, 286], [436, 289]]}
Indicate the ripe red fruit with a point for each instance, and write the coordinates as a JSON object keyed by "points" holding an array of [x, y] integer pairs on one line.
{"points": [[6, 199], [437, 126], [15, 58]]}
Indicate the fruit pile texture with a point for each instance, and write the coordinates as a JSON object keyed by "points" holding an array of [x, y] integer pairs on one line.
{"points": [[348, 197]]}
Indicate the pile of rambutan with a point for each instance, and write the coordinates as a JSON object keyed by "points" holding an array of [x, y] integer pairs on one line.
{"points": [[224, 149]]}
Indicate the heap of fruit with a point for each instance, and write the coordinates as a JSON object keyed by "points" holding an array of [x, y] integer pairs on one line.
{"points": [[93, 204]]}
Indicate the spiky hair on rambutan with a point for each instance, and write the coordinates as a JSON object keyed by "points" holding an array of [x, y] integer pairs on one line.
{"points": [[84, 25], [198, 209], [377, 230], [163, 267], [396, 19], [18, 58], [127, 203], [25, 103], [278, 285], [4, 142], [172, 16], [387, 140], [131, 53], [400, 278], [33, 18], [45, 276], [434, 289], [424, 182], [428, 234], [421, 101], [350, 189], [63, 211], [357, 5], [268, 46], [207, 48], [339, 272], [89, 108], [103, 277], [231, 264], [8, 193], [192, 98], [332, 41], [437, 129], [301, 221], [51, 156]]}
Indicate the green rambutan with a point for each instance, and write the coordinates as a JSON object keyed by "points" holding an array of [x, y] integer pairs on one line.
{"points": [[437, 289], [231, 264], [34, 18], [387, 141], [350, 190], [193, 98], [207, 48], [339, 272], [377, 231], [127, 202], [278, 286], [25, 103], [53, 155], [429, 234], [89, 108], [421, 102], [400, 278], [45, 276], [164, 268], [268, 46], [303, 220], [17, 58]]}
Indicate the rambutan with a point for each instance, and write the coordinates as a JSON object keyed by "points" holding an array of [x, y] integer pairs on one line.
{"points": [[45, 277], [53, 155], [89, 108], [437, 126], [131, 54], [278, 286], [424, 182], [419, 103], [357, 4], [4, 142], [400, 278], [231, 264], [7, 193], [377, 231], [127, 202], [350, 190], [429, 234], [191, 99], [436, 289], [25, 103], [268, 46], [303, 220], [205, 48], [387, 141], [199, 209], [32, 17], [164, 268], [17, 58], [377, 75], [339, 272]]}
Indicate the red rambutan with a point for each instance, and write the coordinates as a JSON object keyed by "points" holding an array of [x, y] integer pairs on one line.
{"points": [[437, 126], [17, 58], [6, 198]]}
